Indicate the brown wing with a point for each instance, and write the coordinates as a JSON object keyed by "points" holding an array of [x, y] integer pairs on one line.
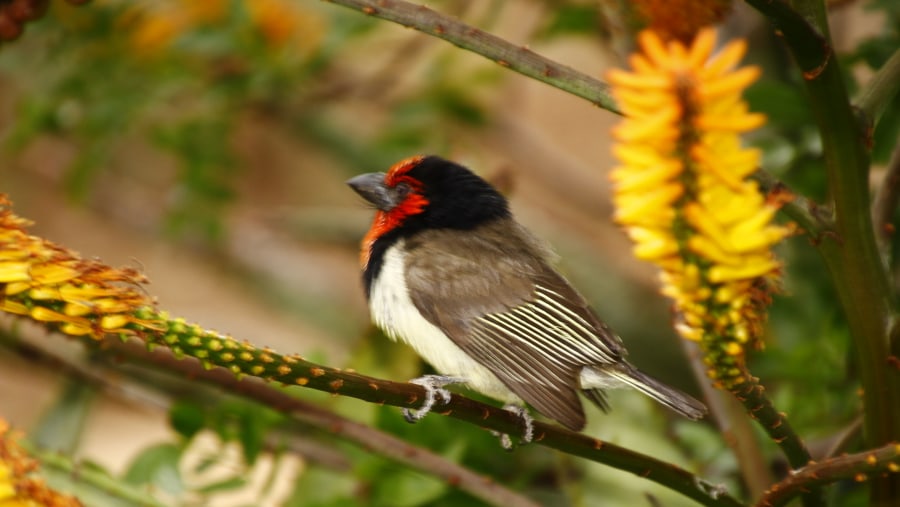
{"points": [[500, 302]]}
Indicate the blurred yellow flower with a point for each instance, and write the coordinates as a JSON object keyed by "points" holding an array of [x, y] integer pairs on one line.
{"points": [[18, 486], [55, 286], [158, 24], [683, 193]]}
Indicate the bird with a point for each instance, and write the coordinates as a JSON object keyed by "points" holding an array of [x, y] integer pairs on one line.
{"points": [[449, 271]]}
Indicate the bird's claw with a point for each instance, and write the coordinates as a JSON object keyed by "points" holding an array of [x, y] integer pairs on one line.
{"points": [[434, 389], [527, 422]]}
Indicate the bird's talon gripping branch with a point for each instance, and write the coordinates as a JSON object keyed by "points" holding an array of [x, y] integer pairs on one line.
{"points": [[527, 422], [434, 389]]}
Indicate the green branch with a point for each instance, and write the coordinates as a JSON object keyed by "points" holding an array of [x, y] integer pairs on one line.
{"points": [[852, 256], [91, 477], [810, 48], [859, 467], [881, 89], [813, 218], [753, 396], [242, 358], [517, 58], [887, 195], [254, 390]]}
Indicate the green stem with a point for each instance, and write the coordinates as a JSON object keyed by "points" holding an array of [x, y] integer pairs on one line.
{"points": [[887, 195], [881, 89], [410, 395], [736, 429], [92, 477], [852, 257], [242, 358], [753, 396], [517, 58], [810, 48], [813, 218], [859, 466]]}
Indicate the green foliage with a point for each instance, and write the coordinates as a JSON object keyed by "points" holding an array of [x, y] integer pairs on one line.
{"points": [[874, 52], [157, 466], [574, 18]]}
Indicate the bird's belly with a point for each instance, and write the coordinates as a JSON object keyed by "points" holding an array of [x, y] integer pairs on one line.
{"points": [[394, 312]]}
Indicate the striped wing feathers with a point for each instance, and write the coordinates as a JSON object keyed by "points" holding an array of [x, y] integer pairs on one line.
{"points": [[515, 315]]}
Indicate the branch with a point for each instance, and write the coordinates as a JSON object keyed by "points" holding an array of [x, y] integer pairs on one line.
{"points": [[885, 203], [242, 358], [226, 363], [813, 218], [810, 48], [254, 389], [505, 54], [89, 475], [859, 467], [854, 261], [731, 419], [881, 89], [753, 396]]}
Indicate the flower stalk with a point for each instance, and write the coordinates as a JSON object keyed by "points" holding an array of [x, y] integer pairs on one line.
{"points": [[19, 486], [686, 197]]}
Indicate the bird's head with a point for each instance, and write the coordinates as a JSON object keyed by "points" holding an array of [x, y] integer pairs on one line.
{"points": [[426, 192]]}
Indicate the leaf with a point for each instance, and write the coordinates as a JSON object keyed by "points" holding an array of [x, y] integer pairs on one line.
{"points": [[566, 19], [229, 484], [407, 489], [158, 466], [60, 428], [186, 418], [783, 103], [319, 487]]}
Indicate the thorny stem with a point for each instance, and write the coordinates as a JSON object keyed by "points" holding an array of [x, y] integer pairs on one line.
{"points": [[238, 360], [241, 358], [885, 203], [813, 218], [852, 255], [97, 479], [737, 431], [859, 467], [517, 58], [753, 396], [881, 89], [254, 389]]}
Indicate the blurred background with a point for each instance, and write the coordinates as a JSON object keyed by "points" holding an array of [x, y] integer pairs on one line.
{"points": [[207, 143]]}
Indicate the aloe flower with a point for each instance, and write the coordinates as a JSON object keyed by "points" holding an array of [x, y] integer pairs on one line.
{"points": [[18, 485], [55, 286], [683, 195]]}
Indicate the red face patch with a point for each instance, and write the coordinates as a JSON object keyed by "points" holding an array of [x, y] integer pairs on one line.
{"points": [[412, 204]]}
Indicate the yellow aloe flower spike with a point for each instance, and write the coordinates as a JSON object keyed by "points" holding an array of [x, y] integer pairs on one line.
{"points": [[683, 196]]}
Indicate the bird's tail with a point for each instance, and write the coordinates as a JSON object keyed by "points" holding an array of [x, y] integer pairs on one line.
{"points": [[672, 398]]}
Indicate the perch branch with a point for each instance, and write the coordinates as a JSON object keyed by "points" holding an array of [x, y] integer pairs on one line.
{"points": [[859, 466], [852, 257], [885, 203], [517, 58]]}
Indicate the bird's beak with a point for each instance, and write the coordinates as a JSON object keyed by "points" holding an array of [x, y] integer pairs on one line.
{"points": [[371, 186]]}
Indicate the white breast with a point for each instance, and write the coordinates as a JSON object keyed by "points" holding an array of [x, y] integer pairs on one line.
{"points": [[393, 311]]}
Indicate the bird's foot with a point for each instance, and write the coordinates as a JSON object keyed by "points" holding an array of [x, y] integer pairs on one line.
{"points": [[527, 422], [434, 389]]}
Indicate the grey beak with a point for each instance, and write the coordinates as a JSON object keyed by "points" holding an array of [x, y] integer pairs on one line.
{"points": [[372, 188]]}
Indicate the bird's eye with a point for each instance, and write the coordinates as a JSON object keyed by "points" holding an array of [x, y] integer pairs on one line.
{"points": [[402, 190]]}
